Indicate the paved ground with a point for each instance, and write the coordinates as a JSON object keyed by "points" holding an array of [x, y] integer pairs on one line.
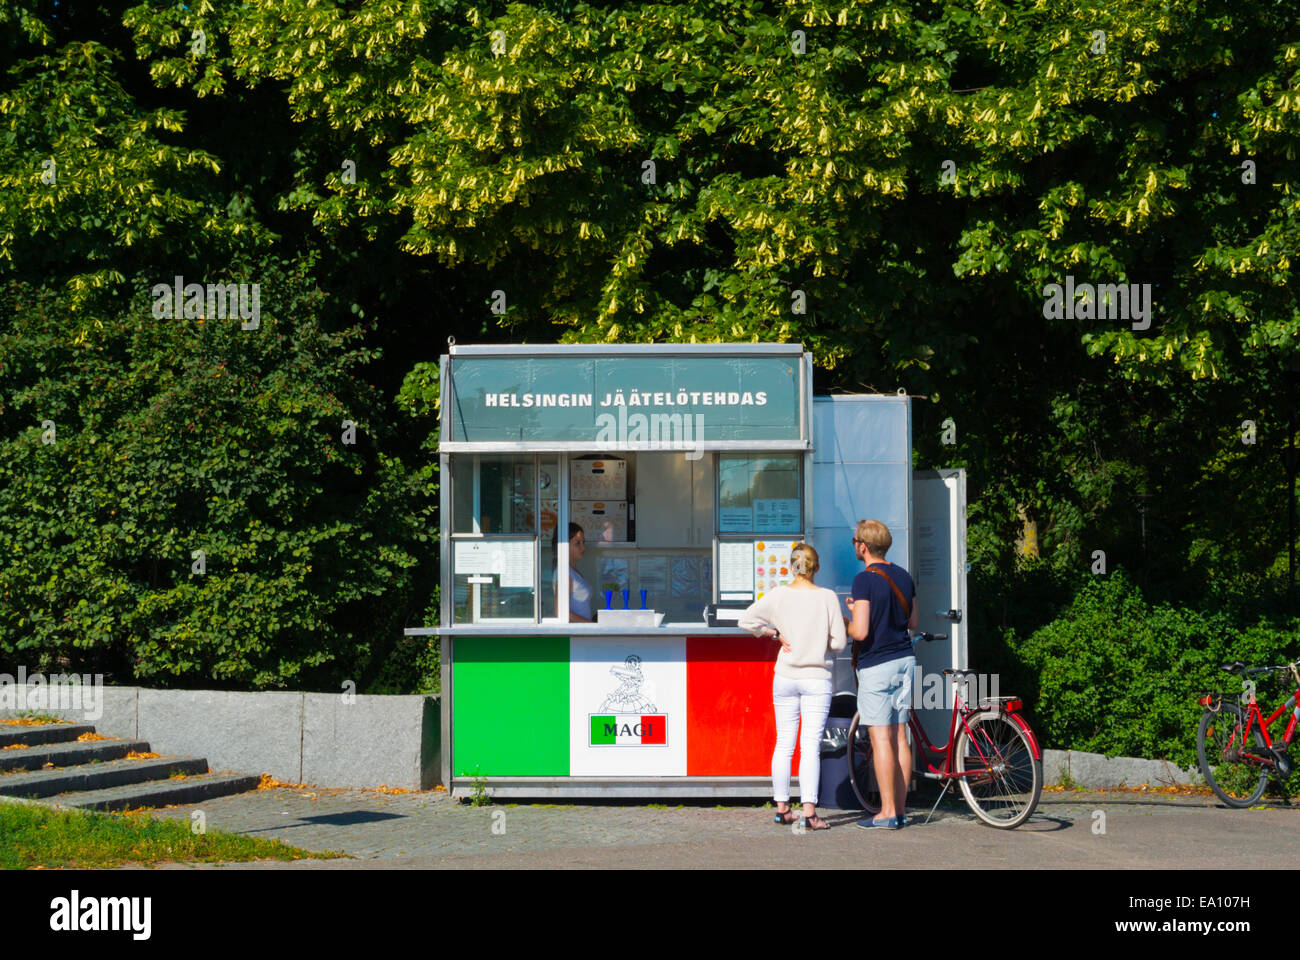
{"points": [[431, 831]]}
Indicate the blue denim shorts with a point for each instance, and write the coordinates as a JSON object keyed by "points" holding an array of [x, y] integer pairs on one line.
{"points": [[885, 692]]}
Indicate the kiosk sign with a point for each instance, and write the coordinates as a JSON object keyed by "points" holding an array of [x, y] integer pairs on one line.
{"points": [[530, 401]]}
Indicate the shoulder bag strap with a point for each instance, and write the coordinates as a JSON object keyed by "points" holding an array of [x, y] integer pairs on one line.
{"points": [[907, 613]]}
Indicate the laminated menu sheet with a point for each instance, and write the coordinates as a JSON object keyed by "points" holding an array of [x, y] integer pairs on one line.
{"points": [[517, 564], [735, 569], [477, 556], [772, 565], [511, 560]]}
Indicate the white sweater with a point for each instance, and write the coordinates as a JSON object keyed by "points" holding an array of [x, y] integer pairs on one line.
{"points": [[809, 620]]}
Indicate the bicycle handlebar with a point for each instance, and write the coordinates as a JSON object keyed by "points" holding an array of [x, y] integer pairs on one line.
{"points": [[1238, 667]]}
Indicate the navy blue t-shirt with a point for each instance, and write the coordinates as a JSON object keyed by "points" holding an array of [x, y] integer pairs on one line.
{"points": [[887, 636]]}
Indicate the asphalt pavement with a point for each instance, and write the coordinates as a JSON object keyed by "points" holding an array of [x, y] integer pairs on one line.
{"points": [[429, 830]]}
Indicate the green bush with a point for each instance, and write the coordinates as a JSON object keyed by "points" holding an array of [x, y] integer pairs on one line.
{"points": [[180, 435], [1120, 677]]}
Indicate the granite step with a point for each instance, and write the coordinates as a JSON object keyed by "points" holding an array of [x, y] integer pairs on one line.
{"points": [[159, 793], [45, 733], [69, 754], [35, 784]]}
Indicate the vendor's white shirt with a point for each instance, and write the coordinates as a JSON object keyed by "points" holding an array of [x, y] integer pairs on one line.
{"points": [[579, 595]]}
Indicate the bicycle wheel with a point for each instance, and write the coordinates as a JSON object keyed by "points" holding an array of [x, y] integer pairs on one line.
{"points": [[861, 769], [1237, 782], [1005, 781]]}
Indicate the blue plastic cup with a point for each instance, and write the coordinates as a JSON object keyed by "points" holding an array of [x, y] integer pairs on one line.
{"points": [[609, 599], [642, 599], [625, 606]]}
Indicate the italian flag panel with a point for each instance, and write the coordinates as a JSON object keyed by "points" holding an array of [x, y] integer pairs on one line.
{"points": [[730, 723], [612, 707], [510, 707]]}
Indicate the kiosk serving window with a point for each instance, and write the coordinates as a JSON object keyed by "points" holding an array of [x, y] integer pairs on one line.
{"points": [[684, 465], [494, 537], [493, 494]]}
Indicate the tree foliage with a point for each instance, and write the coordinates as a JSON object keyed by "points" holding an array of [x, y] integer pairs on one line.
{"points": [[917, 174], [178, 504]]}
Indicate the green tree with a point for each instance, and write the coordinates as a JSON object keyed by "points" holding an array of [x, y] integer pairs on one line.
{"points": [[125, 456]]}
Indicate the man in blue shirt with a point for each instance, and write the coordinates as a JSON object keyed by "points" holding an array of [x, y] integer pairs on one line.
{"points": [[883, 616]]}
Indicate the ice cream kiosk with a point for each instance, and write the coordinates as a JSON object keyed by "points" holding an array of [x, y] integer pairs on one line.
{"points": [[692, 469]]}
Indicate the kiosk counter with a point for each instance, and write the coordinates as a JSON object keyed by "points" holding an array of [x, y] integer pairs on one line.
{"points": [[692, 470]]}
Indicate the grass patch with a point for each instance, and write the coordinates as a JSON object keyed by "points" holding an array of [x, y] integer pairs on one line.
{"points": [[1069, 785], [38, 837]]}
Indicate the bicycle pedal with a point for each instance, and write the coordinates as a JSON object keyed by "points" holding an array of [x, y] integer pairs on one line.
{"points": [[1283, 762]]}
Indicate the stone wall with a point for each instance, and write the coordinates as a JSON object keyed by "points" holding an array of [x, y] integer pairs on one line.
{"points": [[318, 738]]}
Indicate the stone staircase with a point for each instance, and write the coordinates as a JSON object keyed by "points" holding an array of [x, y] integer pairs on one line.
{"points": [[51, 764]]}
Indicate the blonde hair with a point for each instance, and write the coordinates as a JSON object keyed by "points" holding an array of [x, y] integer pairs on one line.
{"points": [[875, 536], [803, 560]]}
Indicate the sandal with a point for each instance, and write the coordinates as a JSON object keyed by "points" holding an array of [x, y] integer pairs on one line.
{"points": [[811, 823], [784, 819]]}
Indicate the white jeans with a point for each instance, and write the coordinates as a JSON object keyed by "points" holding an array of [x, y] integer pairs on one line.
{"points": [[790, 699]]}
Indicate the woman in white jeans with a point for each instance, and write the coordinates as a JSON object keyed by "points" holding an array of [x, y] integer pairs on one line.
{"points": [[807, 620]]}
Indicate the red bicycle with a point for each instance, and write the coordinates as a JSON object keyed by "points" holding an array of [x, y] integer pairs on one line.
{"points": [[1236, 754], [991, 753]]}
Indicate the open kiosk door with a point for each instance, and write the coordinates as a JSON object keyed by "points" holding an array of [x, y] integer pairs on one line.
{"points": [[938, 569]]}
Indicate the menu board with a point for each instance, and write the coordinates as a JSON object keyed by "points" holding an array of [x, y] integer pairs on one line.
{"points": [[603, 520], [772, 565], [735, 569], [598, 479]]}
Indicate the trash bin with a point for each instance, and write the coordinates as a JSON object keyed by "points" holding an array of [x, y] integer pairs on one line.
{"points": [[835, 791]]}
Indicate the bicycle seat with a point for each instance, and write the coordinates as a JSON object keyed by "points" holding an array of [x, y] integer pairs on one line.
{"points": [[950, 672], [1235, 667]]}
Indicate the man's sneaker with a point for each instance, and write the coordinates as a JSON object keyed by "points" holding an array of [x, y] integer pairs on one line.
{"points": [[890, 823]]}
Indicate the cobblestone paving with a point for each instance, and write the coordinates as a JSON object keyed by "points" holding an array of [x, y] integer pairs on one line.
{"points": [[430, 829]]}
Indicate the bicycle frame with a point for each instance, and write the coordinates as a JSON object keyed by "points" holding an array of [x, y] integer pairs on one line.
{"points": [[1253, 713], [960, 712]]}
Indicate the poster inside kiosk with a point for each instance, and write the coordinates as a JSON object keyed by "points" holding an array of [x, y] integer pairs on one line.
{"points": [[485, 560]]}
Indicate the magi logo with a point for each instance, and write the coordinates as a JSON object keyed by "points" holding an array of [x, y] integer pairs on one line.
{"points": [[629, 729]]}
